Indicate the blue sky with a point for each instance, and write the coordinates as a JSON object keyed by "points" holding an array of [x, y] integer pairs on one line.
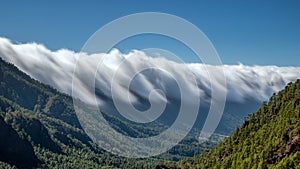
{"points": [[250, 32]]}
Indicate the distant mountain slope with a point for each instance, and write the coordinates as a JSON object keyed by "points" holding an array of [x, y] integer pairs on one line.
{"points": [[244, 95], [39, 128], [35, 96], [269, 138], [45, 118]]}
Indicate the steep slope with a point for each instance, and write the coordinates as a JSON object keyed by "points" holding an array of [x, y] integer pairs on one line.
{"points": [[14, 149], [56, 144], [244, 95], [269, 138], [33, 95], [46, 119], [40, 128]]}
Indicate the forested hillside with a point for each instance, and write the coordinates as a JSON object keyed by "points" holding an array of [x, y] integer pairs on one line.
{"points": [[39, 128], [39, 124], [270, 138]]}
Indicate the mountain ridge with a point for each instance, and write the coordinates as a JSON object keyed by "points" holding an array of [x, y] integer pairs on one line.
{"points": [[269, 138], [46, 119]]}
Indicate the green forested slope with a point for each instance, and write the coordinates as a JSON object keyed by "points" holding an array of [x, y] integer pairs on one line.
{"points": [[43, 120], [14, 149], [39, 128], [270, 138]]}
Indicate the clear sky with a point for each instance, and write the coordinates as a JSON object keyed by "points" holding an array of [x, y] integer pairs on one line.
{"points": [[251, 32]]}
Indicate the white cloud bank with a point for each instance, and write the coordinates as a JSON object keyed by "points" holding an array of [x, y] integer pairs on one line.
{"points": [[56, 69]]}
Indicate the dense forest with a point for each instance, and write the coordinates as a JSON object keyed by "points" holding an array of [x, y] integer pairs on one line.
{"points": [[269, 138], [39, 129]]}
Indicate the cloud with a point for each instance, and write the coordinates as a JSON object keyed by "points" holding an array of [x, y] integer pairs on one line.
{"points": [[56, 69]]}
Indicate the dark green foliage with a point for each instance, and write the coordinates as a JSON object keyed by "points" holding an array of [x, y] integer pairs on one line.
{"points": [[57, 144], [45, 121], [269, 138], [39, 128], [15, 150], [35, 96]]}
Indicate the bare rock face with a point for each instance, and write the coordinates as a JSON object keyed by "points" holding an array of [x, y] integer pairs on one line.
{"points": [[293, 145]]}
